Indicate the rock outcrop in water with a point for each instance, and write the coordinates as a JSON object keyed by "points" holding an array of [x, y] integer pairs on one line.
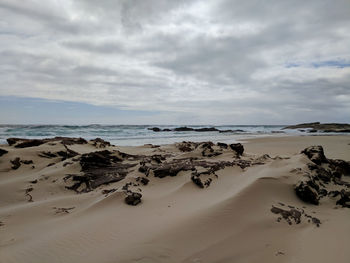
{"points": [[186, 129], [322, 127]]}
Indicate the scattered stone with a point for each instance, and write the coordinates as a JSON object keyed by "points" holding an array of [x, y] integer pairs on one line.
{"points": [[2, 152], [222, 145], [133, 198], [288, 215], [238, 148], [344, 200], [187, 146], [315, 154], [34, 181], [155, 129], [48, 155], [63, 210], [294, 214], [208, 151], [307, 192], [199, 182], [100, 143], [108, 191], [70, 141], [67, 163], [28, 190], [15, 163], [27, 162], [143, 180]]}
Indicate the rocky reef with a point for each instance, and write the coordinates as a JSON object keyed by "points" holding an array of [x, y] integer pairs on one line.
{"points": [[321, 127]]}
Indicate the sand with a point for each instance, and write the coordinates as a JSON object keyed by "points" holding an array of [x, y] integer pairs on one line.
{"points": [[177, 221]]}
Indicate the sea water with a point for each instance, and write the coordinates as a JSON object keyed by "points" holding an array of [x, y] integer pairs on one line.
{"points": [[133, 135]]}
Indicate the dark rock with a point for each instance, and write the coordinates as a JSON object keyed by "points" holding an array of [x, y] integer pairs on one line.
{"points": [[173, 167], [288, 215], [302, 125], [238, 148], [169, 170], [322, 192], [28, 190], [334, 193], [323, 174], [208, 151], [197, 181], [67, 154], [24, 143], [108, 191], [47, 154], [133, 198], [222, 145], [98, 142], [2, 152], [315, 154], [312, 131], [29, 143], [206, 129], [340, 166], [27, 162], [69, 141], [15, 163], [166, 130], [155, 129], [187, 146], [183, 129], [344, 200], [34, 181], [99, 168], [143, 180], [325, 127], [233, 131], [307, 193]]}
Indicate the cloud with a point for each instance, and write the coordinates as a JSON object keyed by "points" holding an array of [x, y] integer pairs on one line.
{"points": [[204, 62]]}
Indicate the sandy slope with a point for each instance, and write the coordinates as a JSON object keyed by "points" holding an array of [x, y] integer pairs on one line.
{"points": [[230, 221]]}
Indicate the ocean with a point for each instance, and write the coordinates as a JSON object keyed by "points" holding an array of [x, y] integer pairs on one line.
{"points": [[134, 135]]}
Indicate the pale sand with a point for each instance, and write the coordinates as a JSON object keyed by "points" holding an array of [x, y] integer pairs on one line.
{"points": [[177, 221]]}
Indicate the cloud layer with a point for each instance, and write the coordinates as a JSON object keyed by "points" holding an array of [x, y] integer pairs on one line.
{"points": [[219, 62]]}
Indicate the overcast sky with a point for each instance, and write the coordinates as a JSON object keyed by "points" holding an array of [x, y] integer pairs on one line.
{"points": [[174, 62]]}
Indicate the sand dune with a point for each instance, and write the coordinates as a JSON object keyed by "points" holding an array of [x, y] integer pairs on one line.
{"points": [[177, 221]]}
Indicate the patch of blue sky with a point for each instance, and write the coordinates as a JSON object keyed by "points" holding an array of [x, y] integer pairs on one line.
{"points": [[320, 64], [18, 110]]}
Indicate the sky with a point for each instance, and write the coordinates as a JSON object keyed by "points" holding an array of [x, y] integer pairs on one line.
{"points": [[174, 61]]}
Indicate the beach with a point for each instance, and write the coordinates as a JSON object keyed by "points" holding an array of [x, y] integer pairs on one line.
{"points": [[254, 200]]}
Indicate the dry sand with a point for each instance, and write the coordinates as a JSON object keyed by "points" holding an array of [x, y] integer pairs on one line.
{"points": [[177, 221]]}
